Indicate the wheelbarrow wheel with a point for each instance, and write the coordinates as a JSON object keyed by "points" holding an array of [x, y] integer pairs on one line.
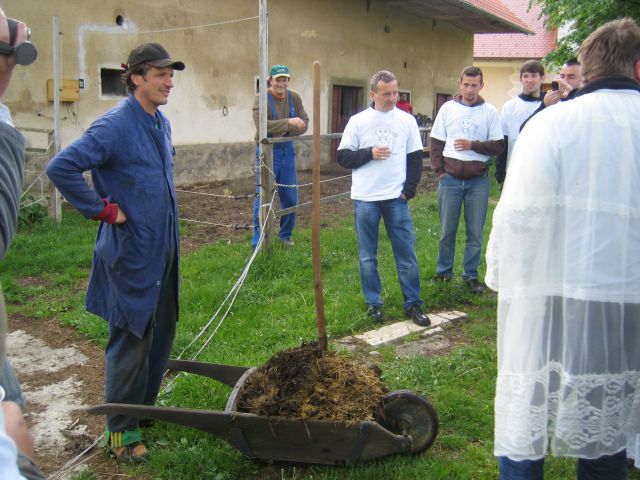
{"points": [[410, 414]]}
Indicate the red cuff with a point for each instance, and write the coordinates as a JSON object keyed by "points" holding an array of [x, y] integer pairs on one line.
{"points": [[108, 214]]}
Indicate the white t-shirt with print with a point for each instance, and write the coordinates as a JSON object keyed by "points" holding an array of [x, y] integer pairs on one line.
{"points": [[381, 179], [513, 115], [456, 120]]}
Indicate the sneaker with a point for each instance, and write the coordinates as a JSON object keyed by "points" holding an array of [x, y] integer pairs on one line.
{"points": [[416, 314], [475, 286], [442, 277], [374, 312], [287, 242], [132, 453]]}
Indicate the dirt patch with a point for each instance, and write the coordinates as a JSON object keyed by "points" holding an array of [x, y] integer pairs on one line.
{"points": [[33, 282], [61, 374], [434, 345], [231, 219], [304, 383]]}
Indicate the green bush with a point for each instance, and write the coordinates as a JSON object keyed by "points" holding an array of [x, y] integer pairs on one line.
{"points": [[31, 213]]}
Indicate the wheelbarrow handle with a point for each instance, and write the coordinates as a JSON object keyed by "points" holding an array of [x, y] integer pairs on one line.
{"points": [[211, 421], [227, 374]]}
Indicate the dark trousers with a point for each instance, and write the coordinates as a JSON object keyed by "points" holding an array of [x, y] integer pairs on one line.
{"points": [[607, 467], [134, 367]]}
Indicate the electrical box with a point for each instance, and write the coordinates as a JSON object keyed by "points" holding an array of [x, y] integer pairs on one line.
{"points": [[69, 90]]}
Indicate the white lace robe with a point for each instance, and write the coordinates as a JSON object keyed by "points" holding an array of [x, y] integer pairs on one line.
{"points": [[564, 255]]}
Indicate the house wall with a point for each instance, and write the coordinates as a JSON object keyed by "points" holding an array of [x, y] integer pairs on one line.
{"points": [[210, 106], [502, 80]]}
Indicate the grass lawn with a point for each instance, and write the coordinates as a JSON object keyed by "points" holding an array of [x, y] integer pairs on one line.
{"points": [[275, 310]]}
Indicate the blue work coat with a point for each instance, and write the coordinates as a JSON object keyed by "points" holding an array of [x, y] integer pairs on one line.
{"points": [[130, 155]]}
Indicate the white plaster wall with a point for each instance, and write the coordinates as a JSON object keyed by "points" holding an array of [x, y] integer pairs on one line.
{"points": [[222, 60]]}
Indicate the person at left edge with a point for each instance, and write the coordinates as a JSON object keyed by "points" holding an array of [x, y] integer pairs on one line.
{"points": [[16, 441], [134, 280], [285, 118]]}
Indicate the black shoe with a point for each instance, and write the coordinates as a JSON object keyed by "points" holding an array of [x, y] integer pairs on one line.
{"points": [[442, 277], [416, 314], [475, 286], [374, 312]]}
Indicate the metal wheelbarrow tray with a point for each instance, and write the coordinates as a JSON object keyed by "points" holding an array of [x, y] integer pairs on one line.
{"points": [[410, 424]]}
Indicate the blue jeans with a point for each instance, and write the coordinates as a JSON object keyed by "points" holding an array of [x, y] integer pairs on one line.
{"points": [[399, 226], [134, 367], [284, 169], [453, 193], [608, 467]]}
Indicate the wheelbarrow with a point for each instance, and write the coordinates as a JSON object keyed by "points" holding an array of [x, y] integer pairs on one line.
{"points": [[409, 424]]}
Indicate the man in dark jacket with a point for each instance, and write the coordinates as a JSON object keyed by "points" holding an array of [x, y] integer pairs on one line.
{"points": [[134, 279]]}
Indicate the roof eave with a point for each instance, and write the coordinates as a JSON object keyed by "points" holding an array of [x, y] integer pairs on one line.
{"points": [[497, 20]]}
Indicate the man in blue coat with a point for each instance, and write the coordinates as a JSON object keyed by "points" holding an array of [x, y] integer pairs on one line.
{"points": [[134, 278]]}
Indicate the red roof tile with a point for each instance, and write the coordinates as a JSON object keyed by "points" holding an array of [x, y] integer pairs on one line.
{"points": [[517, 45], [497, 8]]}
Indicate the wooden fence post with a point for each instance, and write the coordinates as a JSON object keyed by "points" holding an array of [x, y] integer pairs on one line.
{"points": [[55, 201]]}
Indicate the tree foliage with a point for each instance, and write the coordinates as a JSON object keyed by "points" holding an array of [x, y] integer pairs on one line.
{"points": [[581, 17]]}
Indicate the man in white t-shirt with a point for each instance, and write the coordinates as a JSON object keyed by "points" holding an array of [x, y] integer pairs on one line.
{"points": [[465, 133], [382, 146], [517, 110]]}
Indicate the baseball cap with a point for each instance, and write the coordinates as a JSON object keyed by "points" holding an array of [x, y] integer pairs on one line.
{"points": [[154, 54], [280, 71]]}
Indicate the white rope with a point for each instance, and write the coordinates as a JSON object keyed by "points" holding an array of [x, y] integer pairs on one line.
{"points": [[302, 184], [235, 197], [193, 27], [202, 222], [32, 184], [72, 465], [323, 181], [32, 203], [233, 293], [235, 286]]}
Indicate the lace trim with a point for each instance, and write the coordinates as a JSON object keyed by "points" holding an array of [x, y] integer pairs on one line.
{"points": [[574, 415]]}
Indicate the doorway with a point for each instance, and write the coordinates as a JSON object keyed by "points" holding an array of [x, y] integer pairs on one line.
{"points": [[441, 99], [346, 101]]}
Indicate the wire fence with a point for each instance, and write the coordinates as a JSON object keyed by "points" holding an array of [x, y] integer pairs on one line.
{"points": [[37, 187]]}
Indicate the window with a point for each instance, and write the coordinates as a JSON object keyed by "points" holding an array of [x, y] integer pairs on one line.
{"points": [[111, 84]]}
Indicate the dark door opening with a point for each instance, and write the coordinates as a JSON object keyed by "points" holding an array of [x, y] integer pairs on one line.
{"points": [[346, 101], [441, 99]]}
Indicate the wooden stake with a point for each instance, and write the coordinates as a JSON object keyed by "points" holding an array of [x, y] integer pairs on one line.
{"points": [[264, 176], [315, 213]]}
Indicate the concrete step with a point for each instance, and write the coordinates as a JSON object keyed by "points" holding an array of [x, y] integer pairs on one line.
{"points": [[396, 331]]}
